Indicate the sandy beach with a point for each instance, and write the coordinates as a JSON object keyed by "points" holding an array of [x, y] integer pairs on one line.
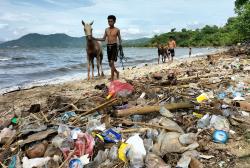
{"points": [[19, 100]]}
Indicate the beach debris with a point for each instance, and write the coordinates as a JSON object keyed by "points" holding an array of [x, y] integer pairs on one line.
{"points": [[6, 134], [220, 136], [151, 109], [35, 108], [37, 136], [157, 76], [37, 150], [118, 88], [182, 119], [152, 161]]}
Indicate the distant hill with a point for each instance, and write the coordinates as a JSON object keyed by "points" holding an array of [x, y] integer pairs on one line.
{"points": [[141, 42], [35, 40]]}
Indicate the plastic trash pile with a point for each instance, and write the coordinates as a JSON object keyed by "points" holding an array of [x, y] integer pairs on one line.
{"points": [[185, 118]]}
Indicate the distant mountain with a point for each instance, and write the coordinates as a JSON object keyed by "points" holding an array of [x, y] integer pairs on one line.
{"points": [[1, 42], [35, 40], [141, 42]]}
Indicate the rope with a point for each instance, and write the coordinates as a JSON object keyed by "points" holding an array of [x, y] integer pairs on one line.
{"points": [[122, 56]]}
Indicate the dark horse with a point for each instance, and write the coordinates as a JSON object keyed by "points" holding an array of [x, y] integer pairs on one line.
{"points": [[163, 53], [93, 49]]}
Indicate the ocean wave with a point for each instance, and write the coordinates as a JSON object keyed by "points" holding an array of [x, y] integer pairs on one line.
{"points": [[4, 59], [20, 58], [22, 65], [36, 83]]}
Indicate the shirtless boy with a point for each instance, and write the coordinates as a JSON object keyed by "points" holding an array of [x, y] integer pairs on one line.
{"points": [[171, 46], [112, 35]]}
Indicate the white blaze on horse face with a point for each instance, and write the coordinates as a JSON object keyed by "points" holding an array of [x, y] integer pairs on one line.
{"points": [[88, 30]]}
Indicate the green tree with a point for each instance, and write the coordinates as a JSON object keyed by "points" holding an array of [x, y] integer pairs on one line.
{"points": [[240, 3]]}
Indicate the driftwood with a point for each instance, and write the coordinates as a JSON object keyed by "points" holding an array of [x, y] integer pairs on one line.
{"points": [[147, 125], [151, 109]]}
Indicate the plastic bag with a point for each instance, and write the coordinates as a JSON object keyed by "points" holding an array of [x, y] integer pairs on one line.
{"points": [[6, 134], [168, 142], [170, 124], [37, 162], [219, 123], [202, 97], [101, 156], [64, 130], [137, 151], [113, 153], [89, 143], [122, 151], [148, 143], [204, 121], [118, 88], [187, 139]]}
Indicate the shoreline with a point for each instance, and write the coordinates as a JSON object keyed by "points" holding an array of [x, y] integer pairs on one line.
{"points": [[21, 99], [83, 76]]}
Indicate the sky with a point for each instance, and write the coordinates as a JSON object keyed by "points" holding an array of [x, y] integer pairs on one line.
{"points": [[135, 18]]}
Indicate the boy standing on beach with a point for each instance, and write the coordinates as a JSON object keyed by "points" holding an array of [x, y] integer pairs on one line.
{"points": [[112, 35], [171, 46]]}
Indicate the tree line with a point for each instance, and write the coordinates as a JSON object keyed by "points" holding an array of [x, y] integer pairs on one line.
{"points": [[236, 30]]}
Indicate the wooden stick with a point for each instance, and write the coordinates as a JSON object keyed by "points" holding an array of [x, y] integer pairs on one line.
{"points": [[108, 103], [3, 165], [34, 116], [66, 160], [46, 119], [151, 109], [131, 130]]}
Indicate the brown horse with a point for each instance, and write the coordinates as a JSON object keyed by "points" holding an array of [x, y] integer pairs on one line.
{"points": [[93, 49]]}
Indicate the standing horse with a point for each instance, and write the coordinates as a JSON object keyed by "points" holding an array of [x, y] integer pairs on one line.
{"points": [[93, 49], [161, 53]]}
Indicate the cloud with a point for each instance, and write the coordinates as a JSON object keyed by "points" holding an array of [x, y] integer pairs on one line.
{"points": [[194, 25], [3, 25], [135, 18], [55, 4]]}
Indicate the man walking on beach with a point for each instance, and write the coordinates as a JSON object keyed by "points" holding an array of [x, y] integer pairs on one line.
{"points": [[112, 35], [171, 46]]}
